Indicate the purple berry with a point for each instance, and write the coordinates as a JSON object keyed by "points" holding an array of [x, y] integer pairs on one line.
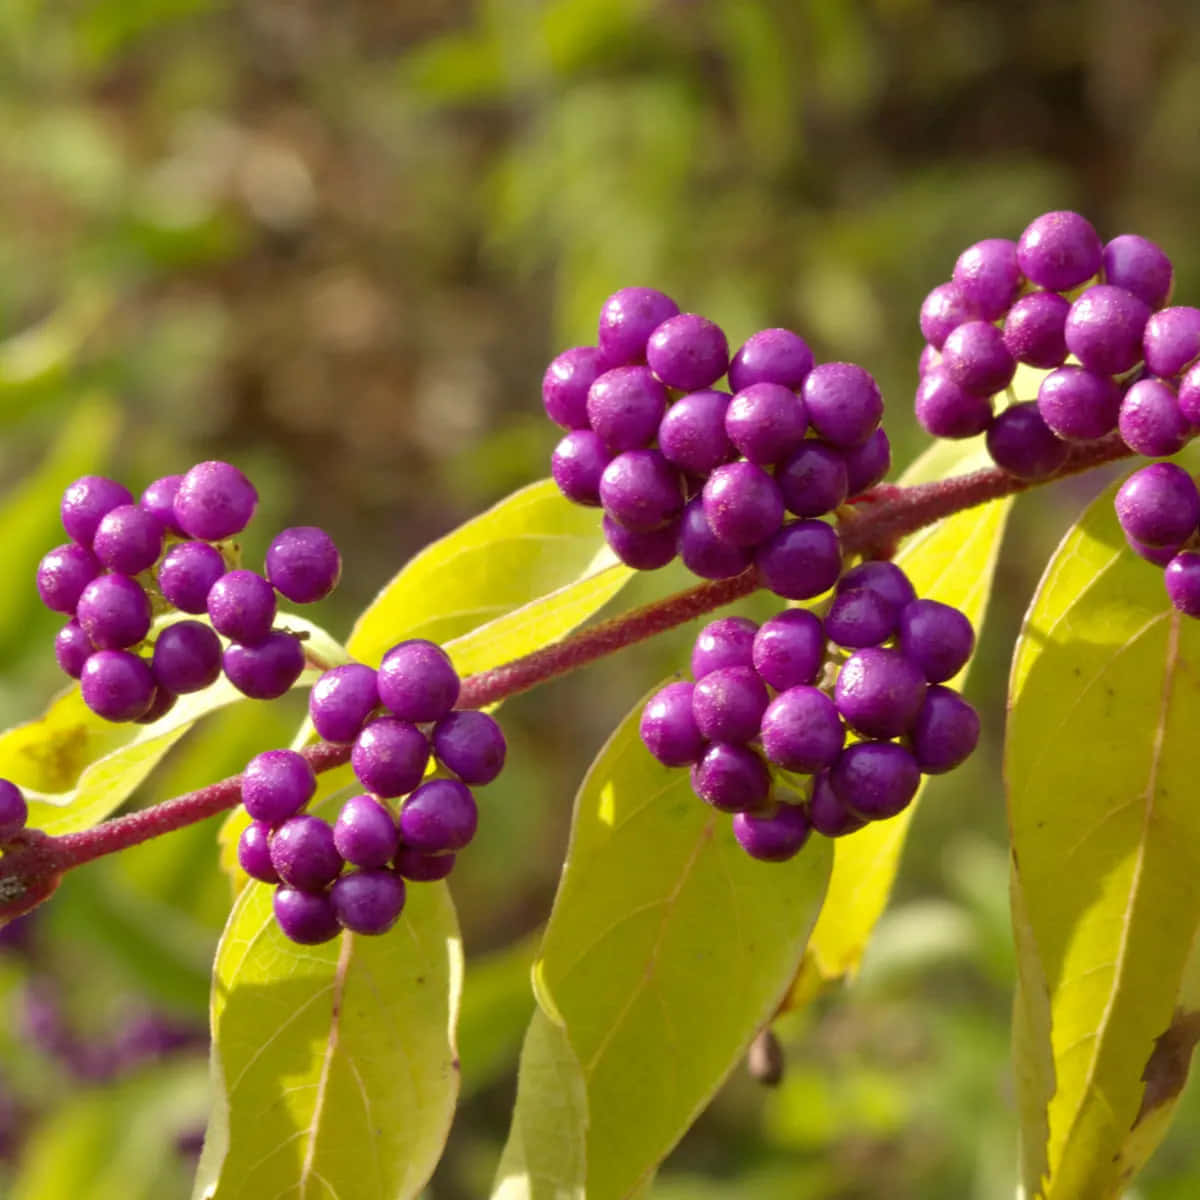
{"points": [[440, 815], [828, 813], [928, 360], [802, 731], [624, 408], [1139, 266], [1021, 443], [159, 500], [114, 612], [72, 649], [303, 564], [1034, 329], [265, 671], [161, 703], [471, 744], [692, 434], [731, 778], [276, 785], [814, 480], [645, 549], [766, 422], [86, 501], [627, 320], [789, 649], [342, 700], [62, 575], [879, 691], [943, 311], [688, 352], [668, 726], [368, 902], [128, 539], [704, 553], [868, 464], [303, 853], [945, 732], [1079, 405], [389, 757], [947, 410], [187, 573], [988, 277], [937, 637], [771, 356], [417, 681], [187, 657], [802, 560], [254, 852], [241, 605], [728, 704], [860, 617], [422, 868], [742, 504], [886, 578], [843, 402], [725, 642], [1182, 578], [215, 500], [774, 837], [1159, 505], [577, 463], [305, 917], [641, 490], [876, 780], [365, 832], [976, 358], [1059, 251], [565, 386], [1189, 395], [1150, 421], [1104, 329], [14, 812], [1160, 556], [116, 685], [1172, 340]]}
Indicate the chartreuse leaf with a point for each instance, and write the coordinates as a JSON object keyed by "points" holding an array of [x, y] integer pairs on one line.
{"points": [[667, 949], [521, 575], [334, 1071], [1100, 765], [952, 561]]}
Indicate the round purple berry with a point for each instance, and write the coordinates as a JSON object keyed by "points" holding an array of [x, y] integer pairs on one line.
{"points": [[692, 434], [731, 778], [876, 780], [668, 726], [885, 578], [947, 410], [1079, 405], [814, 480], [116, 685], [1150, 420], [417, 681], [742, 503], [688, 352], [276, 785], [928, 360], [471, 744], [879, 691], [85, 502], [802, 560], [422, 868], [187, 657], [1172, 340], [641, 490], [265, 671], [642, 549], [72, 648], [988, 277], [368, 902], [128, 539], [1034, 329], [1189, 395], [771, 356], [241, 605], [306, 918], [62, 575], [766, 422], [1139, 266], [1104, 329], [828, 813], [945, 732], [577, 463], [565, 386], [1059, 251], [1182, 578], [1160, 556], [627, 319], [773, 837], [254, 852], [868, 464], [1159, 505], [341, 701], [789, 649], [303, 564], [860, 617], [937, 637], [389, 756], [728, 704], [943, 311], [440, 815], [1021, 443], [625, 406], [303, 853], [14, 812], [114, 612], [159, 500], [843, 402], [705, 554], [725, 642], [215, 500], [187, 573], [802, 731], [365, 832], [976, 358]]}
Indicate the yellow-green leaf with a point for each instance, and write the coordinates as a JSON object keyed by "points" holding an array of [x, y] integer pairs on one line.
{"points": [[667, 949], [1100, 766]]}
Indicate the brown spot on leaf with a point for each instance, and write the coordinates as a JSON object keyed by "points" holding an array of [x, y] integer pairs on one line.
{"points": [[1166, 1069]]}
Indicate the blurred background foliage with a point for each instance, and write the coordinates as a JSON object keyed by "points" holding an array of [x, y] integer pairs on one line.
{"points": [[337, 243]]}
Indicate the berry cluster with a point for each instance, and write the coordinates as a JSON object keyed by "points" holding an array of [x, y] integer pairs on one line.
{"points": [[397, 719], [682, 467], [1090, 316], [855, 704], [1158, 507], [169, 550]]}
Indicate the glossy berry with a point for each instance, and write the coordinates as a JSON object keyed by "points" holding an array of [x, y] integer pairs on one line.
{"points": [[641, 490], [577, 463], [114, 612], [305, 917], [215, 500], [1160, 556], [365, 832], [885, 578], [159, 500], [420, 867], [771, 356], [1059, 251], [1172, 340], [116, 685], [1020, 442], [692, 434], [947, 410], [265, 671], [943, 311], [725, 642], [1139, 266], [86, 501], [417, 681], [627, 319], [565, 385], [241, 606], [341, 701], [369, 901], [14, 812], [128, 539], [1189, 395], [814, 479], [1034, 329], [1150, 420], [801, 730], [471, 745], [187, 573], [987, 276], [668, 726], [879, 691], [732, 778], [860, 617], [276, 785], [789, 649], [705, 554], [728, 704], [976, 358], [928, 360], [186, 658], [1079, 405], [876, 780], [440, 815], [945, 732], [389, 757], [254, 852], [868, 464], [802, 560], [1104, 329], [766, 422], [624, 408], [843, 402], [827, 811], [643, 550], [1159, 505], [688, 352], [773, 837], [62, 575], [937, 637], [742, 504], [72, 648], [303, 564], [1182, 579], [303, 853]]}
